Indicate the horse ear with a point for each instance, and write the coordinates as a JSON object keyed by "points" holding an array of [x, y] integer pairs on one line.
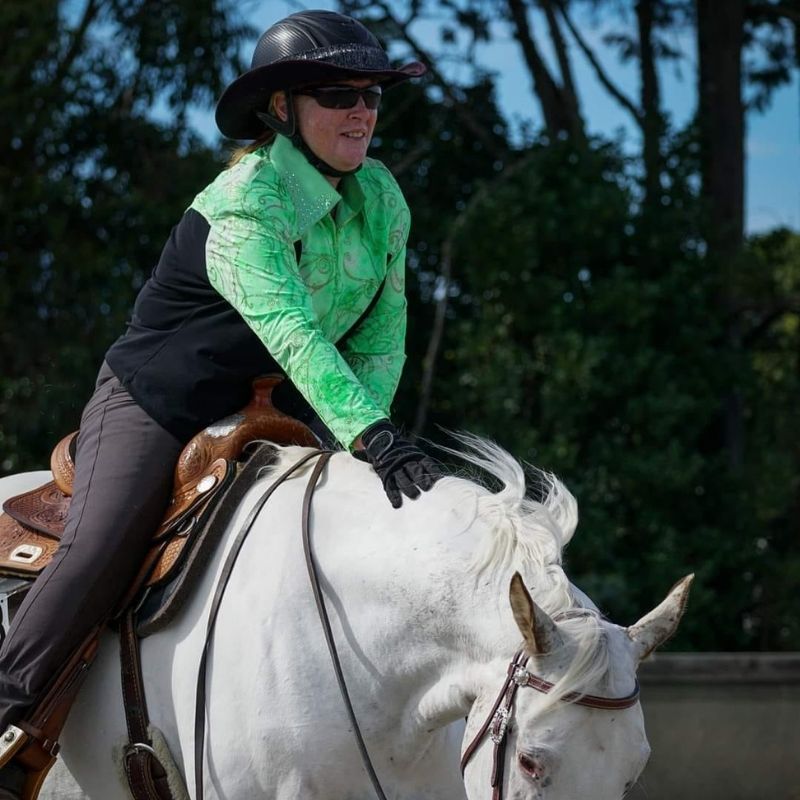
{"points": [[538, 630], [653, 629]]}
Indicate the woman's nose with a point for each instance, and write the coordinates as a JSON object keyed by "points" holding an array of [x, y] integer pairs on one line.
{"points": [[360, 106]]}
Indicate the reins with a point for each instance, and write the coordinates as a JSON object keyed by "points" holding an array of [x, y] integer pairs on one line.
{"points": [[323, 457], [496, 723], [326, 626], [222, 583]]}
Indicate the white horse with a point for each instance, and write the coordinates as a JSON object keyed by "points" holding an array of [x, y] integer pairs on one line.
{"points": [[425, 625]]}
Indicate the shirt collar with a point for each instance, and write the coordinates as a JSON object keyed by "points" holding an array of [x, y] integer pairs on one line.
{"points": [[352, 198], [312, 196]]}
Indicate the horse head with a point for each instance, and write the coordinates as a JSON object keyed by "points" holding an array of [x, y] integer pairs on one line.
{"points": [[567, 723]]}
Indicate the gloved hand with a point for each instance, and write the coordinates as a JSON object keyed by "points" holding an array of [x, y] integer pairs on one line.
{"points": [[402, 467]]}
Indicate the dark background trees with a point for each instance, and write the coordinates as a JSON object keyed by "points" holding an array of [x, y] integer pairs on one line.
{"points": [[597, 310], [90, 183]]}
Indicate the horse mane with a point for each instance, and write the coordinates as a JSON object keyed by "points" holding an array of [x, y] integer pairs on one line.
{"points": [[528, 533]]}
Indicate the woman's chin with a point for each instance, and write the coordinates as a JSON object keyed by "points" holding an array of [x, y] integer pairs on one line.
{"points": [[350, 157]]}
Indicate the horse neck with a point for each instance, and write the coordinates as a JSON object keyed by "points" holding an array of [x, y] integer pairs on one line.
{"points": [[474, 650], [456, 631]]}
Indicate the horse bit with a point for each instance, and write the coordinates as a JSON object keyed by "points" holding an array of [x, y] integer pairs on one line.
{"points": [[496, 723]]}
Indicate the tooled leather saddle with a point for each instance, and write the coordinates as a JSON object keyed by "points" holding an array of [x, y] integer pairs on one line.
{"points": [[33, 522]]}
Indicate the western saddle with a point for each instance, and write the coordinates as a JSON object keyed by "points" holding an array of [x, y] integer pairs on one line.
{"points": [[33, 522]]}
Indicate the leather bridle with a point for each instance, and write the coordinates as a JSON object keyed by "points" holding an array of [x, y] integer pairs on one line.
{"points": [[496, 723]]}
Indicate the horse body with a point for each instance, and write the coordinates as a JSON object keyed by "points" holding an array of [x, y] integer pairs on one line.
{"points": [[419, 604]]}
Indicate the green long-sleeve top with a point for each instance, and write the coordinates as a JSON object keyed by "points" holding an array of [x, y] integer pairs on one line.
{"points": [[352, 239]]}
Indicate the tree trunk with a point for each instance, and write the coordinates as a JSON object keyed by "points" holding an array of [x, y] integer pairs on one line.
{"points": [[652, 119], [720, 34], [559, 116], [568, 93]]}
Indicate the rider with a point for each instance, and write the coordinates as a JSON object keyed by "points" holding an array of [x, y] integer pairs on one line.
{"points": [[292, 260]]}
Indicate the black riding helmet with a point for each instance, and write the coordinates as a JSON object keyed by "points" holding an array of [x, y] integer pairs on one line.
{"points": [[304, 48]]}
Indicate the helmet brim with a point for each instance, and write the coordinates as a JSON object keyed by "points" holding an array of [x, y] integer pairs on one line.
{"points": [[251, 92]]}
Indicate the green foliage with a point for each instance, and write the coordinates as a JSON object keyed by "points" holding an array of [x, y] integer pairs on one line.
{"points": [[588, 332], [92, 186], [585, 335], [584, 329], [772, 322]]}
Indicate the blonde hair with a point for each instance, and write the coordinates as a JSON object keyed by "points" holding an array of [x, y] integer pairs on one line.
{"points": [[238, 153]]}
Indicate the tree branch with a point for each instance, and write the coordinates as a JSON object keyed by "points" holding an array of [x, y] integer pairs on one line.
{"points": [[569, 92], [772, 313], [54, 88], [458, 105], [398, 167], [754, 11], [613, 90], [90, 13], [545, 87]]}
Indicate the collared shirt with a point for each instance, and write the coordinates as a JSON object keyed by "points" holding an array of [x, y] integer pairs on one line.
{"points": [[353, 241]]}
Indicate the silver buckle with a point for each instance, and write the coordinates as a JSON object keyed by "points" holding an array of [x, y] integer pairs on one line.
{"points": [[135, 747], [497, 730], [9, 739], [521, 676]]}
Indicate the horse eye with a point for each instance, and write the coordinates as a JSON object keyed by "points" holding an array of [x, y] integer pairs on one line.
{"points": [[531, 767]]}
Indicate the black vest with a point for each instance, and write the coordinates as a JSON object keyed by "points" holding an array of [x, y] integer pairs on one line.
{"points": [[188, 358]]}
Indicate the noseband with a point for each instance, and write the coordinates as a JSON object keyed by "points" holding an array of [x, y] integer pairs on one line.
{"points": [[496, 723]]}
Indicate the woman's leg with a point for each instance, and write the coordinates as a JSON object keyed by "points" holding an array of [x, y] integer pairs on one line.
{"points": [[123, 480]]}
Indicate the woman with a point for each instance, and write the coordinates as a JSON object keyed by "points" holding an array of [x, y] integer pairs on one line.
{"points": [[291, 260]]}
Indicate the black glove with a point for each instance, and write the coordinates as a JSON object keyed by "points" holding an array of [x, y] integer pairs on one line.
{"points": [[402, 467]]}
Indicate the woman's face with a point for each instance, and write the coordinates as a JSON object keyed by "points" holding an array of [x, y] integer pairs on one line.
{"points": [[339, 136]]}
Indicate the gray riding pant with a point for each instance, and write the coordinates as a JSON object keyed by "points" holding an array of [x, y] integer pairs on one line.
{"points": [[124, 468]]}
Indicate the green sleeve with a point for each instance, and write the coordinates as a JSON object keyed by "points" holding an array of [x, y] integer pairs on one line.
{"points": [[251, 262], [376, 350]]}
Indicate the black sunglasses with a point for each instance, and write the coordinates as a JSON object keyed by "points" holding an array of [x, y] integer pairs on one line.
{"points": [[343, 96]]}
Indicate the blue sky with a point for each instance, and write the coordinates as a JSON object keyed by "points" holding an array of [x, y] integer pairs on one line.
{"points": [[773, 137]]}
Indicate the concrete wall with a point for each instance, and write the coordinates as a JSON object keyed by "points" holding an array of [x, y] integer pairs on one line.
{"points": [[722, 726]]}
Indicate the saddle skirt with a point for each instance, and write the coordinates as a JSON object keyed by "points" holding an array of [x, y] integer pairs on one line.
{"points": [[32, 523]]}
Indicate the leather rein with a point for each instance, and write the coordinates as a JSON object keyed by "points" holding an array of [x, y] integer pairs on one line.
{"points": [[496, 724], [322, 456], [219, 592], [497, 721]]}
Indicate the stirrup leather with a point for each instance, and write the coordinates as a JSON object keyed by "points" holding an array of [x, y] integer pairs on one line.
{"points": [[33, 742]]}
